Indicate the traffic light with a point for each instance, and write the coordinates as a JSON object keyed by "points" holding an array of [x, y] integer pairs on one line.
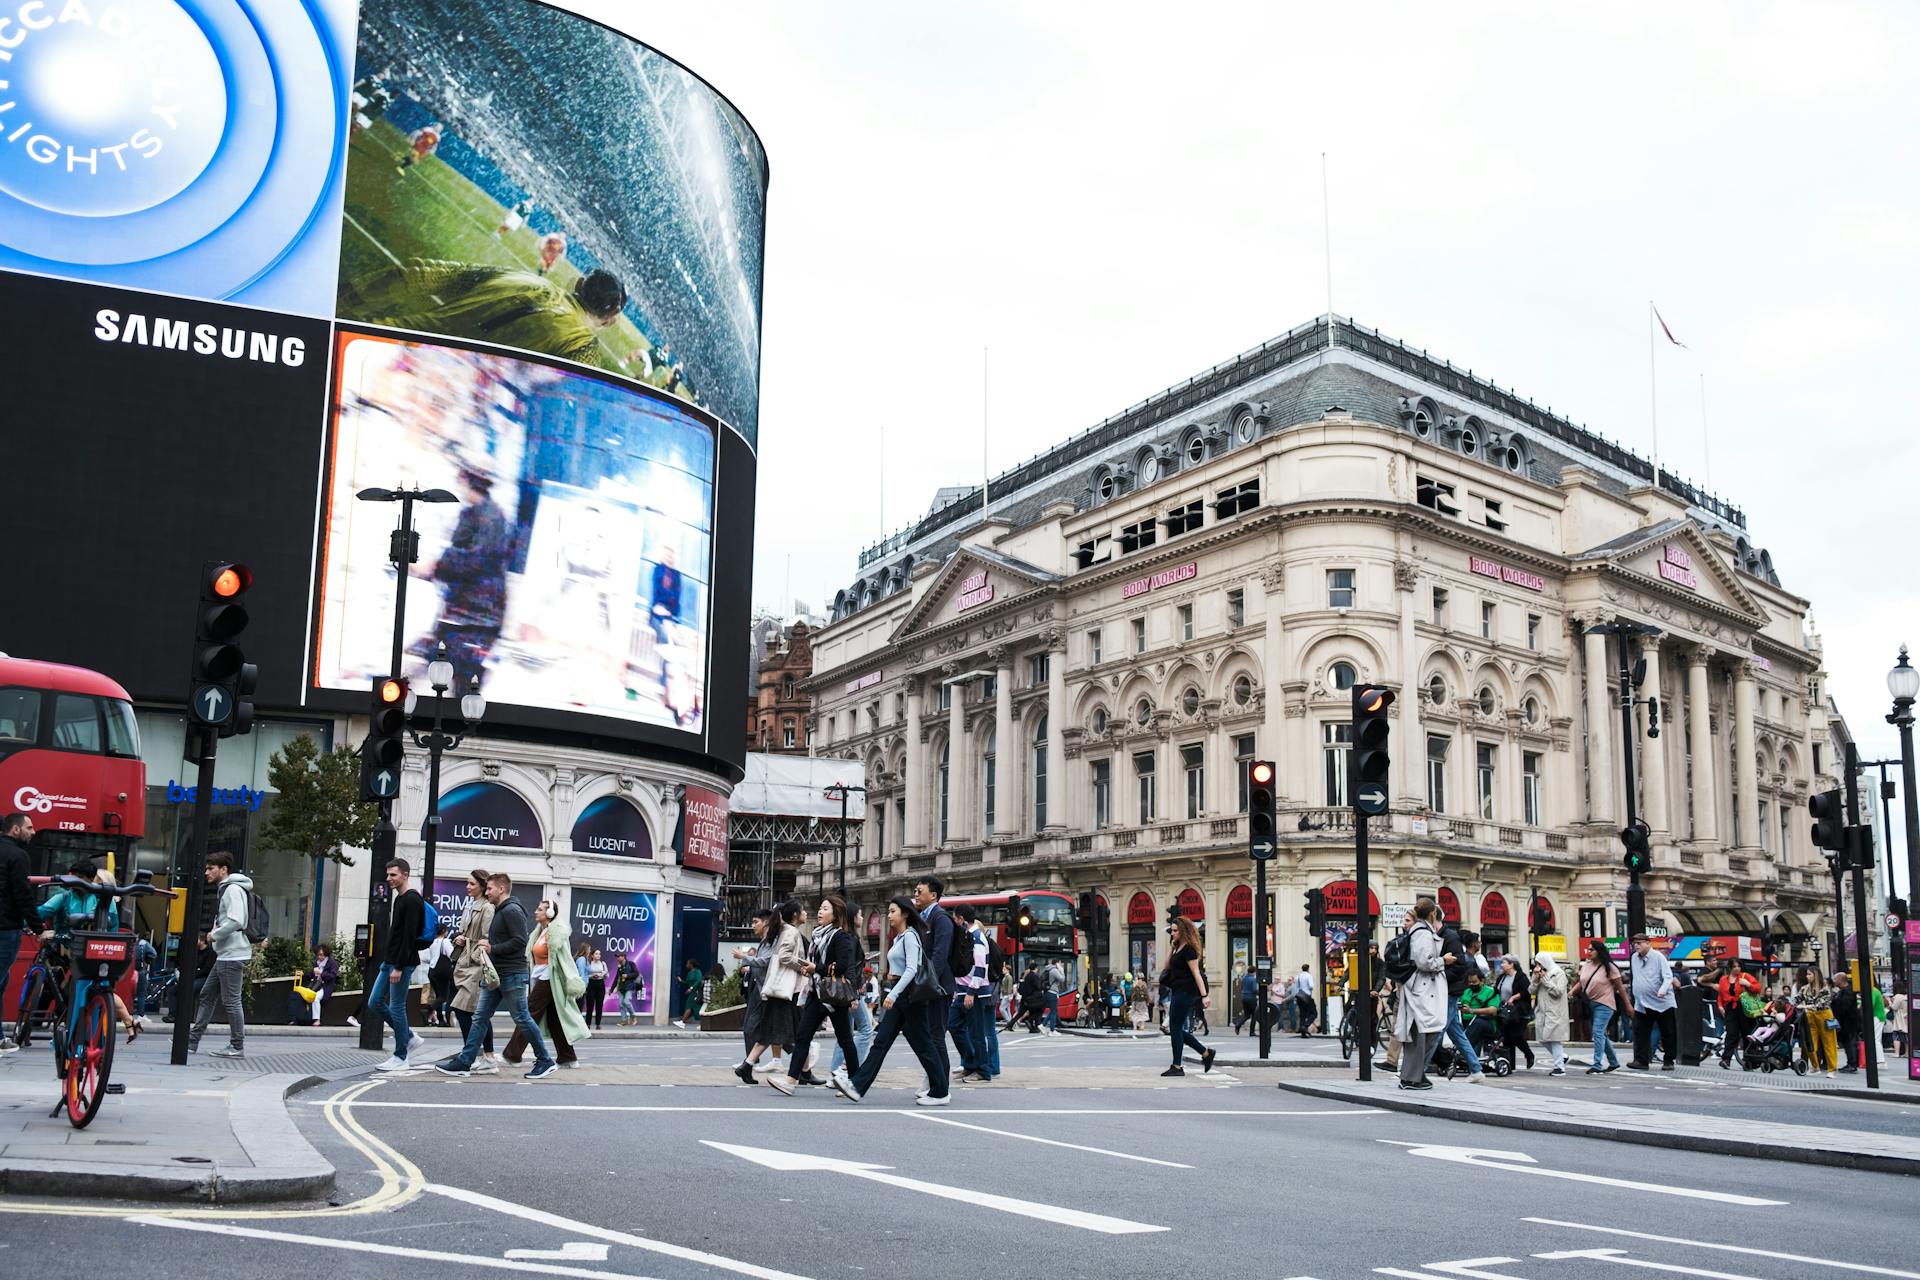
{"points": [[1083, 914], [221, 680], [1019, 917], [1542, 916], [1638, 840], [1829, 820], [1263, 830], [1316, 912], [385, 746], [1102, 921], [1371, 736]]}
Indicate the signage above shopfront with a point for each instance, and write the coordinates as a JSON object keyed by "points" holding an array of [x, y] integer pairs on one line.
{"points": [[1506, 573], [1140, 909], [1343, 899], [1164, 578], [1192, 905]]}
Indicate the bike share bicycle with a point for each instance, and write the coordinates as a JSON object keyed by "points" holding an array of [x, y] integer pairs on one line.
{"points": [[74, 975]]}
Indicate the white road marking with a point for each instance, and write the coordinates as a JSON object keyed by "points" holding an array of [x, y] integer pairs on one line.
{"points": [[799, 1162], [574, 1227], [1861, 1267], [1471, 1267], [1621, 1257], [383, 1248], [571, 1251], [773, 1109], [1520, 1162], [1028, 1137]]}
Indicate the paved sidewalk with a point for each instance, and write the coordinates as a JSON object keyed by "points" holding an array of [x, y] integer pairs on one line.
{"points": [[214, 1130], [1490, 1104]]}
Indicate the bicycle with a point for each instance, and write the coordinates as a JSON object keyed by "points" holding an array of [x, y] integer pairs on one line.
{"points": [[74, 975]]}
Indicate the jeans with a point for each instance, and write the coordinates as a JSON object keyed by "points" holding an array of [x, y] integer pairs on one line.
{"points": [[629, 1004], [223, 984], [1053, 1010], [511, 992], [862, 1016], [1456, 1035], [466, 1020], [388, 1002], [1602, 1015], [960, 1026], [986, 1034], [1179, 1010], [912, 1021]]}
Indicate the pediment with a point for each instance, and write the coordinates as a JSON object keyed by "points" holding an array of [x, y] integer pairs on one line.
{"points": [[972, 582], [1674, 558]]}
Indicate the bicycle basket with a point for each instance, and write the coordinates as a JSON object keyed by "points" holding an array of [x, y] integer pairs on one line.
{"points": [[102, 957]]}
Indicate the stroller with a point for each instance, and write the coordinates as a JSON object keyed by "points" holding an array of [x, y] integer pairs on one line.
{"points": [[1769, 1047]]}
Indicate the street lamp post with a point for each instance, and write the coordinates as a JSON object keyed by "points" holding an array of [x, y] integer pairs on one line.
{"points": [[841, 789], [403, 550], [439, 739], [1903, 682], [1632, 835]]}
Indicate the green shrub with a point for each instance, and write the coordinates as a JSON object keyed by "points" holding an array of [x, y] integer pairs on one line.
{"points": [[727, 993]]}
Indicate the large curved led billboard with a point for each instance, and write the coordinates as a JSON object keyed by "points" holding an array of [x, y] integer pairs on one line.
{"points": [[256, 255]]}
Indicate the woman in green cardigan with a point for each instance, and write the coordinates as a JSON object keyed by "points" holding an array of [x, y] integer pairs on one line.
{"points": [[554, 996]]}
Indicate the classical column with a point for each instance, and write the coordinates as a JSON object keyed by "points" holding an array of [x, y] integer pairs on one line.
{"points": [[1653, 751], [1599, 733], [1273, 670], [1700, 730], [1056, 734], [959, 795], [1008, 756], [1412, 749], [916, 834], [1746, 781]]}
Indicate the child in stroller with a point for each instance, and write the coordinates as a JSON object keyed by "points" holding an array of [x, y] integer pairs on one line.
{"points": [[1770, 1045]]}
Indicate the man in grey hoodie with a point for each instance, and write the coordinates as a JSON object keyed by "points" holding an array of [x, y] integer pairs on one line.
{"points": [[231, 951]]}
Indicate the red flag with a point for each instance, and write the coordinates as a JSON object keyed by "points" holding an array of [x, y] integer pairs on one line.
{"points": [[1663, 328]]}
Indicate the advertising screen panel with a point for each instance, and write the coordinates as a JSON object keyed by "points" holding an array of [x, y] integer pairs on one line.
{"points": [[573, 572]]}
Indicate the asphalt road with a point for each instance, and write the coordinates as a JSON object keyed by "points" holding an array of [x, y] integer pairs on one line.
{"points": [[1083, 1162]]}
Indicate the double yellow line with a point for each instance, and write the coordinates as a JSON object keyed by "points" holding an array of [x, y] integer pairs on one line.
{"points": [[401, 1181]]}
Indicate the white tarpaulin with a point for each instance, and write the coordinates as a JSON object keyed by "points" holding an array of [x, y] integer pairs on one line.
{"points": [[796, 786]]}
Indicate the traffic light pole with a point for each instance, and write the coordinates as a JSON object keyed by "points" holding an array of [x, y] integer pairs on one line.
{"points": [[1363, 1016], [402, 552], [1862, 853], [1262, 963], [1636, 896], [187, 958]]}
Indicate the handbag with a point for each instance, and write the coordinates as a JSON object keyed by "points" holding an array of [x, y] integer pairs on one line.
{"points": [[925, 986], [834, 989], [489, 976]]}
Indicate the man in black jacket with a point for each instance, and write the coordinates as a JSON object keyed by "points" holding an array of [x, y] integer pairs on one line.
{"points": [[506, 947], [406, 920], [926, 896], [16, 896], [1846, 1012]]}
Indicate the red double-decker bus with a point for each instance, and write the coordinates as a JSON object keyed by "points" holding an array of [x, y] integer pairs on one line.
{"points": [[1052, 939], [70, 761]]}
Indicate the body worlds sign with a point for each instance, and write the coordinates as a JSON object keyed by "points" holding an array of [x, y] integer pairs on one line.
{"points": [[1507, 573], [1164, 578], [974, 590], [1676, 566]]}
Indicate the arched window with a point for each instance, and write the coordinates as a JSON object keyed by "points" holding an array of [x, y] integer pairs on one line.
{"points": [[1437, 690], [988, 775], [1530, 711], [786, 689], [946, 763], [1143, 711], [1342, 675], [1485, 697], [1040, 775], [1190, 701], [1099, 721], [1242, 690]]}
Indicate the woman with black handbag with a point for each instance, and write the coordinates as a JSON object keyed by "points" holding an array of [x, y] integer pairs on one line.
{"points": [[833, 963], [914, 983]]}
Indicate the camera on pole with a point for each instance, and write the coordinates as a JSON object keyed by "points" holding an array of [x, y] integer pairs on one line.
{"points": [[1372, 735], [1262, 826]]}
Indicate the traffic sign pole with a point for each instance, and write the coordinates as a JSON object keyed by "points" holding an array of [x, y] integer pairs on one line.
{"points": [[186, 959]]}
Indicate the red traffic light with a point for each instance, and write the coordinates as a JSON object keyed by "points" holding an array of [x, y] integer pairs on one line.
{"points": [[229, 580], [1262, 773]]}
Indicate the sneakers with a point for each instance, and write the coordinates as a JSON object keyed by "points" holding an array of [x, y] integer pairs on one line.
{"points": [[1174, 1071], [975, 1077], [392, 1064], [780, 1084], [1476, 1077], [1637, 1066], [452, 1067], [416, 1044], [1666, 1066], [235, 1051], [353, 1021], [1416, 1084], [485, 1067], [574, 1065], [944, 1100], [1558, 1071], [679, 1024], [7, 1045], [1206, 1061], [765, 1065], [542, 1071], [844, 1086], [744, 1070]]}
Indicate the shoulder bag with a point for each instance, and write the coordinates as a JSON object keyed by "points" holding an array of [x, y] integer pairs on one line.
{"points": [[925, 985]]}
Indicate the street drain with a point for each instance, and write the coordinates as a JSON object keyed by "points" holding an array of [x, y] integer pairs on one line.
{"points": [[194, 1159]]}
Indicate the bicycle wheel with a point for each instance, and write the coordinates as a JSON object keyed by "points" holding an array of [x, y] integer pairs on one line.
{"points": [[32, 991], [1346, 1039], [90, 1061]]}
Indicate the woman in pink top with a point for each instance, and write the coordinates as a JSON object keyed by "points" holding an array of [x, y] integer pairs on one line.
{"points": [[1599, 981]]}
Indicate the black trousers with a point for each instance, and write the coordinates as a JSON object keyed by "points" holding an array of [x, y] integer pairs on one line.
{"points": [[1738, 1026], [1644, 1021], [815, 1012]]}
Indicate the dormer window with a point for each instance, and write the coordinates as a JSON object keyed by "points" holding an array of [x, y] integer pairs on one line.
{"points": [[1136, 536], [1436, 495]]}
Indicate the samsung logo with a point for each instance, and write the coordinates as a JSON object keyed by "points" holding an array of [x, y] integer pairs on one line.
{"points": [[202, 339]]}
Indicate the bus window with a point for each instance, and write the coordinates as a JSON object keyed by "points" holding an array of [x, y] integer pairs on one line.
{"points": [[1051, 910], [123, 732], [76, 723], [19, 719]]}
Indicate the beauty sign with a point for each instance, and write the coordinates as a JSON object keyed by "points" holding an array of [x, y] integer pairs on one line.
{"points": [[620, 926]]}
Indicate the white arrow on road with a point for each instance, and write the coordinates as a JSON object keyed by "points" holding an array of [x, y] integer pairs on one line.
{"points": [[1520, 1162], [571, 1251], [798, 1162], [1621, 1256]]}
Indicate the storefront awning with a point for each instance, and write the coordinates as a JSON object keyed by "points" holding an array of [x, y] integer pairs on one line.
{"points": [[1711, 920]]}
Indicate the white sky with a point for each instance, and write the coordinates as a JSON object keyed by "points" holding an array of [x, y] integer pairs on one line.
{"points": [[1114, 196]]}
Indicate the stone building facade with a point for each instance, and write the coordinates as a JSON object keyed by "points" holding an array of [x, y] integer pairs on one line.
{"points": [[777, 719], [1067, 693]]}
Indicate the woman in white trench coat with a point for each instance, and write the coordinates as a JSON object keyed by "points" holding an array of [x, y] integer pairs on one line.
{"points": [[1422, 1013]]}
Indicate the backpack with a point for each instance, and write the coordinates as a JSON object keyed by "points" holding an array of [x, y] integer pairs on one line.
{"points": [[257, 919], [960, 951], [1397, 958], [996, 961], [429, 922], [442, 971]]}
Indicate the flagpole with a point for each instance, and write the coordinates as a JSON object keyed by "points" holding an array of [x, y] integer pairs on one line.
{"points": [[1326, 245], [986, 503], [1706, 451], [1653, 395]]}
